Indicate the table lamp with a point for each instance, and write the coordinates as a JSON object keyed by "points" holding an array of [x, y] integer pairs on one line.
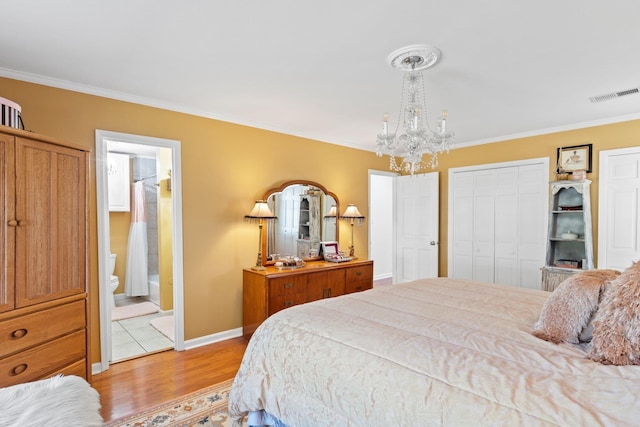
{"points": [[352, 214], [259, 214]]}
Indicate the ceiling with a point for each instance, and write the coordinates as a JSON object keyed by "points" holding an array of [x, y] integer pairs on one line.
{"points": [[318, 69]]}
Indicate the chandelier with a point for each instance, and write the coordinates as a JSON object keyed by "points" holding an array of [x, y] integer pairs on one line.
{"points": [[418, 138]]}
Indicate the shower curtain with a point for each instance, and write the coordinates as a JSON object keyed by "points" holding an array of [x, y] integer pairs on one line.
{"points": [[136, 283]]}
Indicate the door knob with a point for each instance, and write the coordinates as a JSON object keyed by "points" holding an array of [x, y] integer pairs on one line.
{"points": [[433, 243]]}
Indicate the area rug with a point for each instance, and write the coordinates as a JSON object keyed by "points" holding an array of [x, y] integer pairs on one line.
{"points": [[165, 325], [133, 310], [206, 407]]}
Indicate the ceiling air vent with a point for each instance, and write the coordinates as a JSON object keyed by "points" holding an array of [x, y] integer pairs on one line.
{"points": [[614, 95]]}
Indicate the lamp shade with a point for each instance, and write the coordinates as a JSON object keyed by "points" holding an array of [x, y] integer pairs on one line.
{"points": [[333, 212], [352, 212], [260, 211]]}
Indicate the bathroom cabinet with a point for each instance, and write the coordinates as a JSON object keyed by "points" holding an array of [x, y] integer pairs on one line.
{"points": [[43, 256], [271, 290]]}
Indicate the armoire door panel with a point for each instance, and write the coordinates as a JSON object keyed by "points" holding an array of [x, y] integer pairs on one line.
{"points": [[7, 217], [50, 252]]}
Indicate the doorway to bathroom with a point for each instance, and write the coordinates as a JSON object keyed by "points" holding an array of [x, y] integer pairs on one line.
{"points": [[138, 182]]}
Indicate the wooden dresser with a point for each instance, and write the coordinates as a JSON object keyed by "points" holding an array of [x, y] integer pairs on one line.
{"points": [[43, 257], [267, 292]]}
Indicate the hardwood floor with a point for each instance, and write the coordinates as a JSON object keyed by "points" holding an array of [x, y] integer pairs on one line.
{"points": [[135, 385]]}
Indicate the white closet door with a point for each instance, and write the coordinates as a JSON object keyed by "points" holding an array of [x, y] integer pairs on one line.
{"points": [[461, 227], [498, 223], [506, 226], [533, 199], [483, 225], [619, 210]]}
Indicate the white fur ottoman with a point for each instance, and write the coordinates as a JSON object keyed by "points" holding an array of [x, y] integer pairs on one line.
{"points": [[58, 401]]}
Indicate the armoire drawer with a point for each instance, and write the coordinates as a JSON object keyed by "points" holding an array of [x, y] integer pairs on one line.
{"points": [[39, 361], [33, 329]]}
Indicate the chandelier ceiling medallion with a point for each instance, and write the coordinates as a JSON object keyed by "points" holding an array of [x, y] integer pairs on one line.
{"points": [[418, 138]]}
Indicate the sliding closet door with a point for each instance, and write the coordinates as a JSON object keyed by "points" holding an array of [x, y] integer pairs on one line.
{"points": [[461, 225], [506, 229], [484, 225], [533, 199], [497, 223]]}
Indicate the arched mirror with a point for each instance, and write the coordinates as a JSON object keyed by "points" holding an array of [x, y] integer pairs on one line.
{"points": [[306, 214]]}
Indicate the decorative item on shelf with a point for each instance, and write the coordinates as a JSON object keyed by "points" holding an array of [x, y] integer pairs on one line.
{"points": [[10, 114], [569, 235], [578, 175], [418, 138], [260, 213], [352, 214]]}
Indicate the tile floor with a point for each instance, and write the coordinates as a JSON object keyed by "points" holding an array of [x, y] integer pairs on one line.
{"points": [[135, 336]]}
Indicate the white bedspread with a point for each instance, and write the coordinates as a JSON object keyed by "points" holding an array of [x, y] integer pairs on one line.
{"points": [[435, 352]]}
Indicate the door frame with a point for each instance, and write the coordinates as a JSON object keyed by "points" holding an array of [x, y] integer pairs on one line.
{"points": [[386, 222], [102, 196]]}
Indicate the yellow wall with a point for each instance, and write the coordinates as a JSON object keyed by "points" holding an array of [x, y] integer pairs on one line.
{"points": [[165, 230], [225, 168], [119, 224], [606, 137]]}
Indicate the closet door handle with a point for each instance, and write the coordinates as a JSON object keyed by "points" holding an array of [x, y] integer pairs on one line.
{"points": [[15, 223]]}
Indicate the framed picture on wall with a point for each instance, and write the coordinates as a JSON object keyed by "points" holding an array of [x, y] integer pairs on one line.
{"points": [[574, 158]]}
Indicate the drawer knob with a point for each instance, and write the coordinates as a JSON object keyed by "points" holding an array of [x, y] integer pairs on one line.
{"points": [[358, 273], [19, 369], [288, 303], [18, 333], [288, 285], [358, 288]]}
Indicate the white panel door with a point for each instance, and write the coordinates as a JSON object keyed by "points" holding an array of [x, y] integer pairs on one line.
{"points": [[416, 228], [618, 237]]}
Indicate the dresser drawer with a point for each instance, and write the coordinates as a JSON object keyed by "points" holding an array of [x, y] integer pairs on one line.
{"points": [[280, 286], [280, 303], [355, 274], [35, 328], [361, 285], [39, 361]]}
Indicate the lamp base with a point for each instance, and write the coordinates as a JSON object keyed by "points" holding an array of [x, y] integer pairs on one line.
{"points": [[352, 251], [258, 268]]}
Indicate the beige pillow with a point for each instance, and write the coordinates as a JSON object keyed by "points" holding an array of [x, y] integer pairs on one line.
{"points": [[567, 310], [616, 326]]}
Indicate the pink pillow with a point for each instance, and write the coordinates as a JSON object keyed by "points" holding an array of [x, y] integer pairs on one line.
{"points": [[616, 326], [567, 311]]}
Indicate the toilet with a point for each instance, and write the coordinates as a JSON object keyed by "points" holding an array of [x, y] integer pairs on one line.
{"points": [[114, 282]]}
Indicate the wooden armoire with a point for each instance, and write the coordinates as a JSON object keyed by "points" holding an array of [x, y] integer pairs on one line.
{"points": [[43, 258]]}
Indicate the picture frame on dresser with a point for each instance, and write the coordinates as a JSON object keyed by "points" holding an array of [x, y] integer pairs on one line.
{"points": [[575, 158]]}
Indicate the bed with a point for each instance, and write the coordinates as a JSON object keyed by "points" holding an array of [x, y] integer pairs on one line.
{"points": [[433, 352]]}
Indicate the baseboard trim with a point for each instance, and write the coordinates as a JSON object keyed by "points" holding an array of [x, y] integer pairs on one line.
{"points": [[98, 367]]}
